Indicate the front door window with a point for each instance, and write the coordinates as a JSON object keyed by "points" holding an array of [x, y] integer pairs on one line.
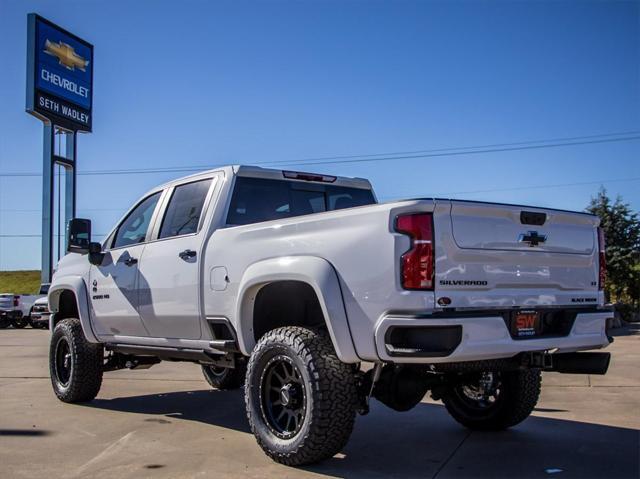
{"points": [[133, 230]]}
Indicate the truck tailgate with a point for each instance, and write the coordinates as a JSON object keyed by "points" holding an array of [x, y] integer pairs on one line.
{"points": [[509, 256], [6, 302], [506, 228]]}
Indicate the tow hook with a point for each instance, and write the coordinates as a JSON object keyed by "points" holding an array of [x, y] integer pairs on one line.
{"points": [[541, 360]]}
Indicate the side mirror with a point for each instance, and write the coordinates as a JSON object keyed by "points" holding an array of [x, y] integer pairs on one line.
{"points": [[95, 254], [79, 236]]}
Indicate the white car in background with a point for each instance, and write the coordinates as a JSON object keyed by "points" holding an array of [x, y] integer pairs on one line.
{"points": [[39, 317], [15, 309], [8, 309]]}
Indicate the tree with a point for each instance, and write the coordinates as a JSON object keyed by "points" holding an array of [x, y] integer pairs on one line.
{"points": [[621, 227]]}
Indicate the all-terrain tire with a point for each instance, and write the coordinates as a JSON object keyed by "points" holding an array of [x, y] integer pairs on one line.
{"points": [[518, 395], [226, 379], [329, 396], [75, 365]]}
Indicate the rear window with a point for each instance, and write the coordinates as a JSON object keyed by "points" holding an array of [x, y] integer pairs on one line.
{"points": [[258, 199]]}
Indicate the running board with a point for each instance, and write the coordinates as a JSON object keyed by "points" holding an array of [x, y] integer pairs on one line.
{"points": [[168, 353]]}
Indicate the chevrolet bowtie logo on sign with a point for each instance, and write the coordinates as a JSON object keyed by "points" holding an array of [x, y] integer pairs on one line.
{"points": [[66, 55], [59, 75]]}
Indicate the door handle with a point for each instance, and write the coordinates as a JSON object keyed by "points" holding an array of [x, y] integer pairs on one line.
{"points": [[187, 254], [130, 261]]}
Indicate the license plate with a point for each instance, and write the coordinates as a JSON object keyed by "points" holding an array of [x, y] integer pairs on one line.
{"points": [[525, 324]]}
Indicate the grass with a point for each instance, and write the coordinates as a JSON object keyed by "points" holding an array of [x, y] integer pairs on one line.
{"points": [[19, 282]]}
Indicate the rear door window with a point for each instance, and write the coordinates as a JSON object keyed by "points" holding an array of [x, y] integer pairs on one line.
{"points": [[185, 208], [257, 199]]}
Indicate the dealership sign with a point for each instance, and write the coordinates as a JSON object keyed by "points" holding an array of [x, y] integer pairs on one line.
{"points": [[59, 75]]}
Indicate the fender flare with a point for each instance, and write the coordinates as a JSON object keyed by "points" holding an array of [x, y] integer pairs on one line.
{"points": [[316, 272], [77, 286]]}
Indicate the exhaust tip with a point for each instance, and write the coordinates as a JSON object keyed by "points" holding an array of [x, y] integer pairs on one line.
{"points": [[581, 363]]}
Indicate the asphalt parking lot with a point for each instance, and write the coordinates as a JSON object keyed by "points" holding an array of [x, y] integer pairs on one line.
{"points": [[166, 422]]}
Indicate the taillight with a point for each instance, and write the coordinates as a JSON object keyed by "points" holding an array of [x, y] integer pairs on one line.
{"points": [[16, 301], [602, 260], [417, 264]]}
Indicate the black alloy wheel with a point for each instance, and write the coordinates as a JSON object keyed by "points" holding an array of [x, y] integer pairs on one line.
{"points": [[283, 397], [301, 399], [63, 361], [492, 401], [481, 394], [75, 365], [225, 379]]}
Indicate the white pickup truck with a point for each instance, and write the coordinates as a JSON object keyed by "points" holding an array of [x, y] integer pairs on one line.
{"points": [[288, 282], [15, 309]]}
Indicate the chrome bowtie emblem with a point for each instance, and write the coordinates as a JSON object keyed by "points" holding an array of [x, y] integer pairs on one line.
{"points": [[532, 237]]}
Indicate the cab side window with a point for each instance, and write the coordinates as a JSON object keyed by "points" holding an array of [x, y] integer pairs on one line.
{"points": [[184, 210], [260, 199], [133, 229]]}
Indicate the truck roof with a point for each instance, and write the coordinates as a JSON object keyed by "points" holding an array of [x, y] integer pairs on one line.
{"points": [[259, 172]]}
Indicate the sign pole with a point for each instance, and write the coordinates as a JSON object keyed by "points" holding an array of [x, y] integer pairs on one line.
{"points": [[47, 202], [70, 182]]}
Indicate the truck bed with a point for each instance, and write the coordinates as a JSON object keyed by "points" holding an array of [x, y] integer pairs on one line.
{"points": [[481, 262]]}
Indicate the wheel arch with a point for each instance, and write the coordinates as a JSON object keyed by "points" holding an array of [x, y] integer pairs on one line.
{"points": [[69, 298], [310, 271]]}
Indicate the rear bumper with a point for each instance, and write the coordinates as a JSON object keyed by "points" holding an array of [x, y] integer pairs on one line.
{"points": [[480, 337], [13, 314]]}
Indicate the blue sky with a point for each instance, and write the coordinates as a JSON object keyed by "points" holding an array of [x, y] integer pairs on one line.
{"points": [[205, 83]]}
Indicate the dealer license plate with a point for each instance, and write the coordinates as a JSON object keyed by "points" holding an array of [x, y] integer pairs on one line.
{"points": [[525, 324]]}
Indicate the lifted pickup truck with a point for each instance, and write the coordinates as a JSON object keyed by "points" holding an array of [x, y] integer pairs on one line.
{"points": [[286, 283]]}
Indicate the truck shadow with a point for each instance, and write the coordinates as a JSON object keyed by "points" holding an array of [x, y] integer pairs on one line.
{"points": [[627, 329], [218, 408], [426, 442]]}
